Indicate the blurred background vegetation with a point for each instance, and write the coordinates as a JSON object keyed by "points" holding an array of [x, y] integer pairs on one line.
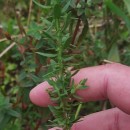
{"points": [[21, 68]]}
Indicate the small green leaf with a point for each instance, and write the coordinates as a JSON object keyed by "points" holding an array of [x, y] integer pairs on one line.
{"points": [[127, 3], [45, 21], [13, 113], [46, 54], [22, 75], [77, 97], [40, 44], [73, 4], [68, 58], [114, 8], [50, 74], [35, 78], [83, 82], [34, 31], [67, 20], [84, 30], [83, 87], [114, 54], [42, 6], [73, 90], [49, 35], [57, 11], [57, 107], [52, 109], [66, 6], [55, 99]]}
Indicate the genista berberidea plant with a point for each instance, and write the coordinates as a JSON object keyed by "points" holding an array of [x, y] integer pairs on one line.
{"points": [[50, 40], [66, 28]]}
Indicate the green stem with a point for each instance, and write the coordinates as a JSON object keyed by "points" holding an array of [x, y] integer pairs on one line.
{"points": [[78, 110], [60, 48]]}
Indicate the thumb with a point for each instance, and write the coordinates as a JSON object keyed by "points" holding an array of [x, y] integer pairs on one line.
{"points": [[113, 119]]}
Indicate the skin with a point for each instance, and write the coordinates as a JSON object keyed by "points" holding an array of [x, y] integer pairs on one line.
{"points": [[111, 81]]}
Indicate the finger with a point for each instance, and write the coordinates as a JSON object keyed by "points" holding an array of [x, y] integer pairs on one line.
{"points": [[113, 119], [39, 95], [110, 81]]}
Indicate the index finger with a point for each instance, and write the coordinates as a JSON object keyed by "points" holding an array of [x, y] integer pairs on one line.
{"points": [[111, 81]]}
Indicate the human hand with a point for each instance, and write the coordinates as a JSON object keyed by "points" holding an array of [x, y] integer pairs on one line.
{"points": [[111, 81]]}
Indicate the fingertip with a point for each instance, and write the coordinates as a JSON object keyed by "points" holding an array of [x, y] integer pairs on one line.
{"points": [[39, 96], [73, 126]]}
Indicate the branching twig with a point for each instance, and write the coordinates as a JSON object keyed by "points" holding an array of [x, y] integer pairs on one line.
{"points": [[30, 10], [76, 31], [38, 124], [7, 49], [104, 105], [5, 39], [21, 28], [107, 61], [77, 2]]}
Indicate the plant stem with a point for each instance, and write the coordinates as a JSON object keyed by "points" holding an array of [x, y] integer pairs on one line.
{"points": [[76, 31], [7, 49], [78, 110], [60, 48], [29, 13]]}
